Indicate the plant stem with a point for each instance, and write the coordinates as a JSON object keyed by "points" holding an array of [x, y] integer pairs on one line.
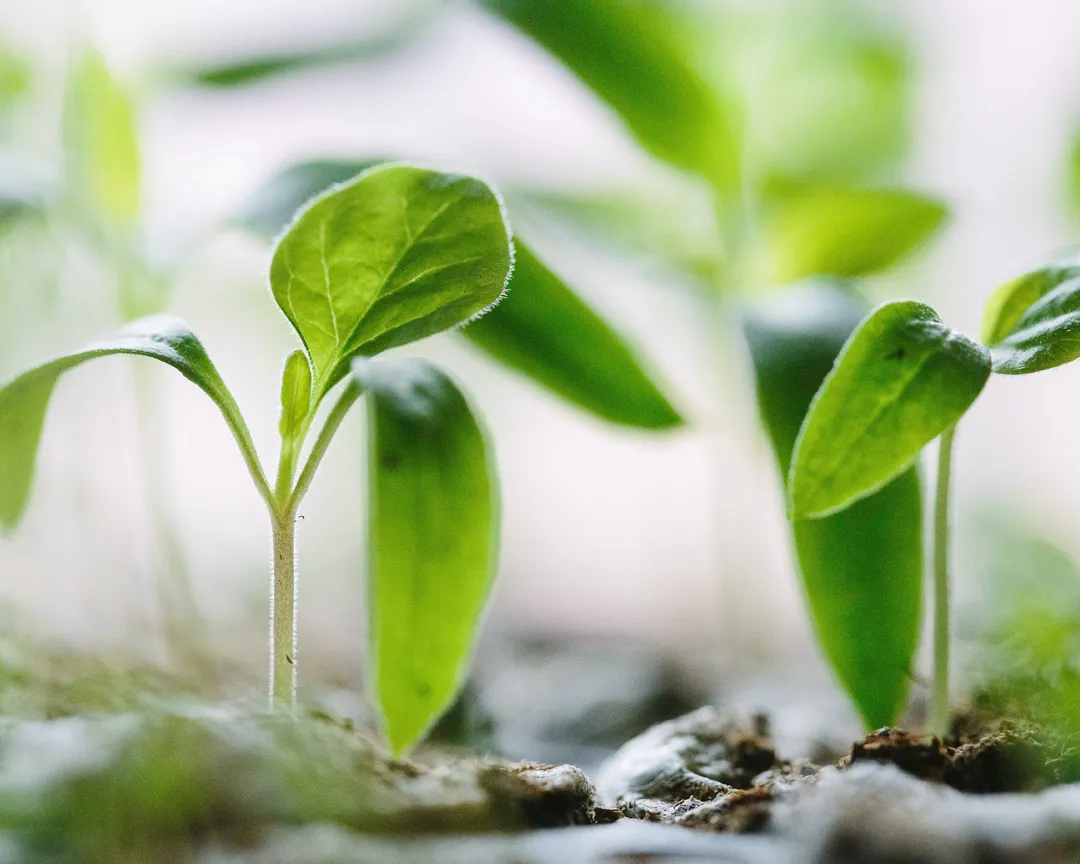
{"points": [[283, 611], [939, 712], [318, 449]]}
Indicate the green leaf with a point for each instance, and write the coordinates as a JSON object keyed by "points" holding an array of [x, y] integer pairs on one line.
{"points": [[432, 540], [101, 149], [1074, 176], [24, 400], [861, 568], [902, 379], [848, 232], [295, 395], [543, 330], [398, 254], [274, 204], [629, 53], [1033, 323]]}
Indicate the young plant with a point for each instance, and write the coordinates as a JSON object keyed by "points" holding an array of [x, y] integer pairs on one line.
{"points": [[394, 255], [905, 378]]}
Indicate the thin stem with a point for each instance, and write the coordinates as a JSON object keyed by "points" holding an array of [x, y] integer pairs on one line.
{"points": [[283, 612], [318, 450], [939, 713]]}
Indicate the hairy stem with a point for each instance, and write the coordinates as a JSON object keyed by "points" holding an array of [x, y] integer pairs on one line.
{"points": [[318, 449], [939, 712], [283, 611]]}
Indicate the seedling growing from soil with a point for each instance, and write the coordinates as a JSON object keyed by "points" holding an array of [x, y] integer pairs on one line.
{"points": [[905, 378], [394, 255]]}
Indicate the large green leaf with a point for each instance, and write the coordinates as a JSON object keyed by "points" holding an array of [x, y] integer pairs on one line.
{"points": [[24, 400], [1033, 323], [629, 53], [861, 568], [398, 254], [432, 540], [902, 379], [848, 232], [101, 149], [545, 331]]}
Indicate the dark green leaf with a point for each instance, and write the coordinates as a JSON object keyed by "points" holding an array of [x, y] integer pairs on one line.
{"points": [[102, 152], [295, 394], [433, 538], [902, 379], [862, 568], [1033, 323], [398, 254], [846, 233], [24, 400], [629, 53], [545, 331], [275, 203]]}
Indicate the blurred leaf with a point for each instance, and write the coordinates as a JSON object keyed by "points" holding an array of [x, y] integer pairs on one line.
{"points": [[901, 380], [1033, 323], [847, 233], [398, 254], [1074, 175], [543, 330], [636, 223], [101, 150], [24, 399], [629, 54], [836, 107], [433, 540], [862, 568], [274, 204], [15, 77], [254, 70]]}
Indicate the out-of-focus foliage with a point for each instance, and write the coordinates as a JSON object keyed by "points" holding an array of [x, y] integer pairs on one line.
{"points": [[901, 380], [862, 568], [101, 149], [1033, 323], [851, 232], [242, 72], [630, 55], [545, 331], [542, 329]]}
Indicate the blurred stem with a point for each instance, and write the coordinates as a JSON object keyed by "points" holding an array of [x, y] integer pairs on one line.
{"points": [[283, 590], [939, 712]]}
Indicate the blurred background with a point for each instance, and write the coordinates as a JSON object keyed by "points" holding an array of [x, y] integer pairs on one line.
{"points": [[672, 544]]}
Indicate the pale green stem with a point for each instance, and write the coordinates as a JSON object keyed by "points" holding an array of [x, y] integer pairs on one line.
{"points": [[283, 612], [939, 712], [283, 583]]}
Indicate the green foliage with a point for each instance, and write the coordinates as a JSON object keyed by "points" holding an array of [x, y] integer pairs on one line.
{"points": [[1033, 323], [398, 254], [901, 380], [630, 55], [542, 329], [861, 568], [545, 331], [101, 149], [24, 400], [850, 232], [395, 255], [433, 540]]}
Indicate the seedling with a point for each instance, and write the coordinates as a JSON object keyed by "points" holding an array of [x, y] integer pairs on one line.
{"points": [[392, 256], [905, 378]]}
